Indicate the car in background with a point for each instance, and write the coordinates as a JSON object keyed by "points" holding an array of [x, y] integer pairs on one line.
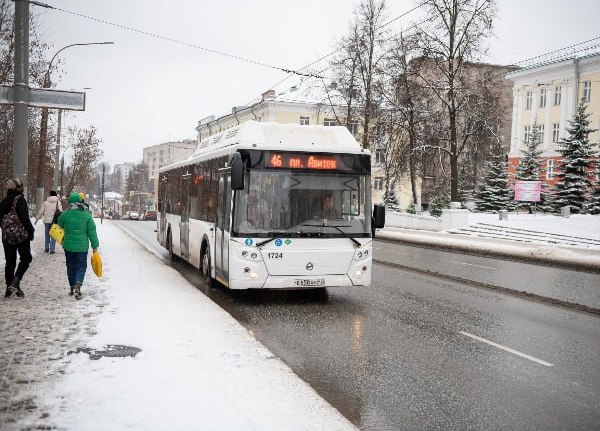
{"points": [[133, 215], [150, 215]]}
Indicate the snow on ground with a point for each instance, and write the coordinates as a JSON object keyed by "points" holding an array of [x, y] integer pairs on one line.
{"points": [[198, 367], [577, 225]]}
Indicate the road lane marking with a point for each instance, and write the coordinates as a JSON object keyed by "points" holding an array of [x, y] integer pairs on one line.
{"points": [[472, 264], [508, 349]]}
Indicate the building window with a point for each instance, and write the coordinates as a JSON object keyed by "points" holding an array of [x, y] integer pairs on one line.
{"points": [[329, 122], [555, 132], [542, 97], [353, 127], [587, 91], [541, 134], [557, 94], [549, 169], [378, 183], [304, 121], [528, 99], [527, 129], [380, 157]]}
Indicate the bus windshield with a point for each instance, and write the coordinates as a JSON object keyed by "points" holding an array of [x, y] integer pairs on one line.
{"points": [[302, 204]]}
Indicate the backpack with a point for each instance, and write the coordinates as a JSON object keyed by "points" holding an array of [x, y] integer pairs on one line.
{"points": [[57, 214], [13, 230]]}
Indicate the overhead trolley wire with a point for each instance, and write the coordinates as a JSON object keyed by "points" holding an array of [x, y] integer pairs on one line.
{"points": [[179, 42], [344, 46]]}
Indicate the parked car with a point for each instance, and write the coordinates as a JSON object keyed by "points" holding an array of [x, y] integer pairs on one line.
{"points": [[133, 215], [150, 215]]}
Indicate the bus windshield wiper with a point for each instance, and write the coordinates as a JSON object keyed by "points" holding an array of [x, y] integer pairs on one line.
{"points": [[356, 243], [266, 241]]}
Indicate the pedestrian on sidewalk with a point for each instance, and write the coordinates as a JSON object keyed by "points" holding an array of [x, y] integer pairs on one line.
{"points": [[80, 231], [47, 211], [17, 233]]}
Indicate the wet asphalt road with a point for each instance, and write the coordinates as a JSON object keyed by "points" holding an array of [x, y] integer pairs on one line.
{"points": [[401, 355]]}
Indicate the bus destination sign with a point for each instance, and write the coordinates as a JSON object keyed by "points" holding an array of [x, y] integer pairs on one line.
{"points": [[302, 161]]}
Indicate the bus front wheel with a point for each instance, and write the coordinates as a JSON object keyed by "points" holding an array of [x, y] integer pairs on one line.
{"points": [[206, 267], [172, 255]]}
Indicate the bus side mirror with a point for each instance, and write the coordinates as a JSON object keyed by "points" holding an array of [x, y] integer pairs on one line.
{"points": [[379, 216], [237, 172]]}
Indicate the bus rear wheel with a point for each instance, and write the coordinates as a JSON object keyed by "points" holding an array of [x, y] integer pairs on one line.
{"points": [[172, 255], [206, 267]]}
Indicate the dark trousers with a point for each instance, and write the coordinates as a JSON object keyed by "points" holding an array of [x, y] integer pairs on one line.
{"points": [[10, 253], [49, 242], [76, 266]]}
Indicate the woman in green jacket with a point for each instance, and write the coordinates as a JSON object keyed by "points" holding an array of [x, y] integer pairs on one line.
{"points": [[80, 231]]}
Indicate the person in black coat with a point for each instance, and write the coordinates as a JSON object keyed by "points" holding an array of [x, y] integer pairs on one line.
{"points": [[13, 278]]}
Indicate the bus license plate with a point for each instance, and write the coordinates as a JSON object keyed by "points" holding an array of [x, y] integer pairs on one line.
{"points": [[309, 282]]}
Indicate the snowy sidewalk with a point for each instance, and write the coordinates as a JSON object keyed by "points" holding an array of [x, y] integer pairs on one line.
{"points": [[198, 368], [519, 243]]}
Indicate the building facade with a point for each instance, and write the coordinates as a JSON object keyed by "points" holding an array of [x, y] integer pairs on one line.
{"points": [[157, 156], [548, 93]]}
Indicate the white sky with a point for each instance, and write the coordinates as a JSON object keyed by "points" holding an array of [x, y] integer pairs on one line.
{"points": [[146, 91]]}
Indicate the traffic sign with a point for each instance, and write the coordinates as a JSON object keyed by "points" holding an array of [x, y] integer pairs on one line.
{"points": [[47, 98]]}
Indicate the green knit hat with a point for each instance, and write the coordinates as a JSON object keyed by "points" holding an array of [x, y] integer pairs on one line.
{"points": [[74, 198]]}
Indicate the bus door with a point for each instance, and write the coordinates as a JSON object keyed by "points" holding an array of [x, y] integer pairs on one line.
{"points": [[162, 209], [184, 226], [222, 226]]}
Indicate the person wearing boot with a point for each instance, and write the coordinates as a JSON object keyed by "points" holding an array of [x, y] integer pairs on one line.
{"points": [[47, 211], [11, 245], [80, 231]]}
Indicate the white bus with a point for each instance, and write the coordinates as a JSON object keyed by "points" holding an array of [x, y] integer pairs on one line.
{"points": [[273, 206]]}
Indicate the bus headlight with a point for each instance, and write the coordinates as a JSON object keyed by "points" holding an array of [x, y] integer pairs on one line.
{"points": [[251, 273], [360, 272]]}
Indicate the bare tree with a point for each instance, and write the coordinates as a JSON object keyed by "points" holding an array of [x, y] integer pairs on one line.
{"points": [[404, 96], [356, 65], [453, 34], [86, 153]]}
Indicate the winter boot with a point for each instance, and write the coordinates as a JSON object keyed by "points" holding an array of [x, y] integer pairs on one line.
{"points": [[71, 291], [77, 290], [9, 292], [15, 287]]}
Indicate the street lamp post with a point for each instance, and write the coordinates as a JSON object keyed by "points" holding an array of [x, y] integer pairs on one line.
{"points": [[41, 171]]}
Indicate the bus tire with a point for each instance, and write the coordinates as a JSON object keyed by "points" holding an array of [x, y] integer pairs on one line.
{"points": [[206, 265], [172, 255]]}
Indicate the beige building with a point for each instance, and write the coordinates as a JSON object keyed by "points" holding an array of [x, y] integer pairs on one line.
{"points": [[307, 106], [548, 91]]}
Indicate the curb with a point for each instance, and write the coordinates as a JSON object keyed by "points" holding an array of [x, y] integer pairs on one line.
{"points": [[538, 254]]}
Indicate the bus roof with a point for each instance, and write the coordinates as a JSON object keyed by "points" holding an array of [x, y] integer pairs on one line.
{"points": [[275, 136]]}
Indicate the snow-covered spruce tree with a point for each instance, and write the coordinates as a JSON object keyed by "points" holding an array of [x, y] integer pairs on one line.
{"points": [[528, 168], [578, 152], [593, 205], [391, 200], [493, 193]]}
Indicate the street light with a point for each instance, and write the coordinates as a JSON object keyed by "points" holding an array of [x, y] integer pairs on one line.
{"points": [[44, 127]]}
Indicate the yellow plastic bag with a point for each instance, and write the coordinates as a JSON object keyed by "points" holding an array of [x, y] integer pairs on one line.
{"points": [[57, 232], [97, 263]]}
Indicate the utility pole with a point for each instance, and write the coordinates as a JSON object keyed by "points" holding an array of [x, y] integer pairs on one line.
{"points": [[42, 150], [102, 207], [57, 155], [21, 92]]}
